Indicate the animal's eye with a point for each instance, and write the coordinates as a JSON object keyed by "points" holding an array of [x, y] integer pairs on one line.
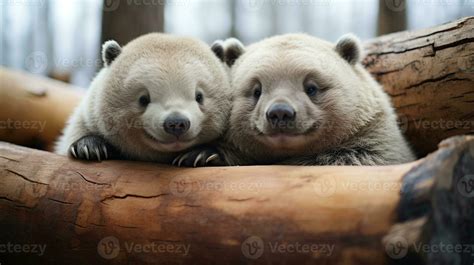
{"points": [[311, 89], [257, 90], [199, 97], [144, 100]]}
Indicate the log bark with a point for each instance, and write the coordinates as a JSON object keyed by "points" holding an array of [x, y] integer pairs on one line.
{"points": [[429, 75], [34, 108], [116, 211]]}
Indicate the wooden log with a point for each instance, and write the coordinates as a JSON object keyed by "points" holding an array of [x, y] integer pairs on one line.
{"points": [[430, 76], [428, 73], [141, 213], [34, 108]]}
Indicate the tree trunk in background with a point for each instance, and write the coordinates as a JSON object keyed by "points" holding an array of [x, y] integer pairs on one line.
{"points": [[392, 16], [124, 20]]}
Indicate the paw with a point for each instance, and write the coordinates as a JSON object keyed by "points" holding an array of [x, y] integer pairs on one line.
{"points": [[91, 147], [198, 157]]}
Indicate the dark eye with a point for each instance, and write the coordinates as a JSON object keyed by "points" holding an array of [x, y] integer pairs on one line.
{"points": [[311, 89], [257, 90], [199, 97], [144, 100]]}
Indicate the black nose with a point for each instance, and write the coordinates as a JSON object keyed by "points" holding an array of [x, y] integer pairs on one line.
{"points": [[176, 125], [281, 112]]}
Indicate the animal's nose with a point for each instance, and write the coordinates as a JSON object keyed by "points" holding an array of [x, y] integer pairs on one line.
{"points": [[281, 112], [176, 125]]}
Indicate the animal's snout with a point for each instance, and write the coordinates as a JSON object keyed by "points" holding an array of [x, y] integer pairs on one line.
{"points": [[281, 112], [176, 124]]}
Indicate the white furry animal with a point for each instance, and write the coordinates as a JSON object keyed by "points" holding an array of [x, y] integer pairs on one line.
{"points": [[157, 96], [301, 100]]}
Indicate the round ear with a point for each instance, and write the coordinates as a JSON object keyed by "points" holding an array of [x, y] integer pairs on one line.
{"points": [[228, 51], [110, 50], [218, 48], [349, 48], [233, 50]]}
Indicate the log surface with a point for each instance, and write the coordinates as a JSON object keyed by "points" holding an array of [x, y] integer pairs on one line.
{"points": [[114, 211], [213, 211], [430, 76]]}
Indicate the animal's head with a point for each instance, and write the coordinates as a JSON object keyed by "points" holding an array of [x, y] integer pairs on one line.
{"points": [[295, 92], [163, 93]]}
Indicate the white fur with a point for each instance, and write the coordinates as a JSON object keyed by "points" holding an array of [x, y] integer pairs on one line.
{"points": [[170, 69]]}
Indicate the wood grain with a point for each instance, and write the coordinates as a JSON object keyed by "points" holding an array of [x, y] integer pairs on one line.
{"points": [[430, 76], [218, 213]]}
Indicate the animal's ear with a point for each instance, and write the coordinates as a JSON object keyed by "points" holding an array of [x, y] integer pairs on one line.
{"points": [[218, 48], [349, 47], [110, 50], [228, 51], [233, 50]]}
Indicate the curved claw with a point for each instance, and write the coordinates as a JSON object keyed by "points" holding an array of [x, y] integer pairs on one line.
{"points": [[175, 161], [73, 151], [211, 158], [97, 153], [86, 151], [182, 159], [198, 158], [104, 148]]}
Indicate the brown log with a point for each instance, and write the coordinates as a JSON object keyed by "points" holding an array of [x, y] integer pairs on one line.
{"points": [[428, 73], [33, 108], [430, 76], [116, 211]]}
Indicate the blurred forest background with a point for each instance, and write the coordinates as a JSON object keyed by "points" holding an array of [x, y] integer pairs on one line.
{"points": [[62, 38]]}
